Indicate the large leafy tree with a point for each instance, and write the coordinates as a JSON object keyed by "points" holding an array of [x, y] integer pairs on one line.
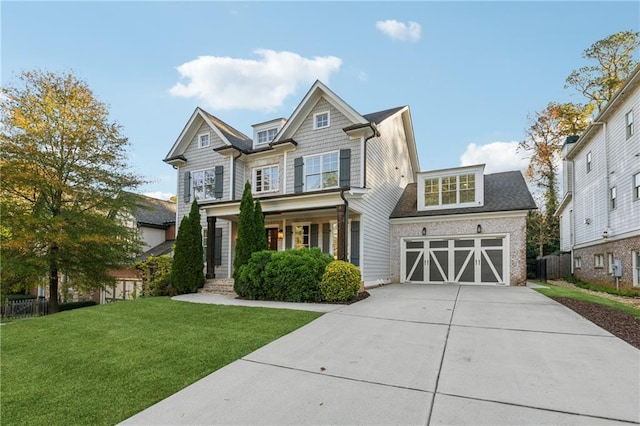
{"points": [[64, 172], [612, 61]]}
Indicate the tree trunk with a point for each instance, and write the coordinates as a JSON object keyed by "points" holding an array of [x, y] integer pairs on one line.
{"points": [[53, 280]]}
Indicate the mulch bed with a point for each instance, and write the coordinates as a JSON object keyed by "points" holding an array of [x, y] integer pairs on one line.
{"points": [[620, 324]]}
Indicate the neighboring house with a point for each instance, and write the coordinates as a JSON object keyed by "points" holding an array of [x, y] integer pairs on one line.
{"points": [[327, 177], [461, 226], [600, 210], [155, 221]]}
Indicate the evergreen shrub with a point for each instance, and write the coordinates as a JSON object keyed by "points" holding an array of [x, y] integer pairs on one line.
{"points": [[340, 281]]}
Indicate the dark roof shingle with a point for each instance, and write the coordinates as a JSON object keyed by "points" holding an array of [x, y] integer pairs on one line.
{"points": [[155, 212], [504, 191]]}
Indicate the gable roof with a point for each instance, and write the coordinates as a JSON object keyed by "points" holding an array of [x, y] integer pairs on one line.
{"points": [[380, 116], [229, 135], [154, 212], [506, 191]]}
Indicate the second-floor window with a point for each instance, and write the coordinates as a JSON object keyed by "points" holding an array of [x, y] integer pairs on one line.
{"points": [[203, 140], [448, 190], [588, 161], [629, 123], [321, 120], [265, 179], [636, 186], [321, 171], [204, 184], [266, 136]]}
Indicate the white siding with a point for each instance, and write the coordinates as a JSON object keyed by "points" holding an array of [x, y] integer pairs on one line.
{"points": [[388, 172], [312, 141], [151, 237], [565, 228]]}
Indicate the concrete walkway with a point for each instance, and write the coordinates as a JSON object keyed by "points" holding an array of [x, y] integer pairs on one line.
{"points": [[425, 355]]}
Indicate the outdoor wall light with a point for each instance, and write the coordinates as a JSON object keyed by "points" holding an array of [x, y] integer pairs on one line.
{"points": [[424, 231], [280, 234], [479, 229]]}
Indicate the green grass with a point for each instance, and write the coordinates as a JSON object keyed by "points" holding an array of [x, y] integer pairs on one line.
{"points": [[102, 364], [601, 288], [557, 291]]}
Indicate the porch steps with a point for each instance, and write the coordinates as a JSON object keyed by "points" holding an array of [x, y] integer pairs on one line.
{"points": [[218, 286]]}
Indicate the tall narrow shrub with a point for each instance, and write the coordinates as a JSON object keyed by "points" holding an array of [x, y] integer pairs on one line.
{"points": [[260, 232], [180, 266], [187, 271], [246, 231], [197, 260]]}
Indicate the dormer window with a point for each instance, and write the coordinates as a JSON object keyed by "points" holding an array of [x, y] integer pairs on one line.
{"points": [[203, 140], [451, 188], [266, 136], [321, 120]]}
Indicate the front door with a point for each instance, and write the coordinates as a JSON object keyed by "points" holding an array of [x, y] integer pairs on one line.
{"points": [[272, 238]]}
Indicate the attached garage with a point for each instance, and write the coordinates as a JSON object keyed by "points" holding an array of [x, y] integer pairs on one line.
{"points": [[459, 226], [460, 260]]}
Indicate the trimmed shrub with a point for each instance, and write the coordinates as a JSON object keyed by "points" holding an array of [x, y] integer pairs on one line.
{"points": [[289, 276], [250, 281], [75, 305], [340, 281]]}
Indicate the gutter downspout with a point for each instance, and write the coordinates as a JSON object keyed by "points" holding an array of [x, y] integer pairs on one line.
{"points": [[364, 153]]}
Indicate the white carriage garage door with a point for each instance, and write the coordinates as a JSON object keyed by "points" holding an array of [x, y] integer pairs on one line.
{"points": [[464, 260]]}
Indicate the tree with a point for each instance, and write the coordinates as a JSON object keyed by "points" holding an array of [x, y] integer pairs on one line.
{"points": [[260, 239], [64, 172], [614, 63], [187, 270], [246, 231]]}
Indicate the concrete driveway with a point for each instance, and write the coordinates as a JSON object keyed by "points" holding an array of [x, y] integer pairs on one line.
{"points": [[425, 355]]}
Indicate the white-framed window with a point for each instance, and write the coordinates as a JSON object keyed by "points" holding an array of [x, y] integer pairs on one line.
{"points": [[203, 140], [265, 179], [612, 198], [636, 187], [321, 120], [204, 184], [301, 235], [610, 262], [589, 157], [321, 171], [266, 136], [577, 262], [635, 264], [450, 190], [629, 123], [598, 261]]}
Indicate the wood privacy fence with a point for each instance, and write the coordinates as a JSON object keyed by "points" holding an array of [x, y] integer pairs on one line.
{"points": [[553, 266], [25, 308]]}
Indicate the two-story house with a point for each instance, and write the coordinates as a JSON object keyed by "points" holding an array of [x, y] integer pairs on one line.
{"points": [[331, 178], [600, 210], [327, 177]]}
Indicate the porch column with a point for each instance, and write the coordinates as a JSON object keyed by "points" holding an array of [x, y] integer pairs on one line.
{"points": [[211, 247], [342, 232]]}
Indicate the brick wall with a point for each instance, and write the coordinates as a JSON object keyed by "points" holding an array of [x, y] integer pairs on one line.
{"points": [[621, 249]]}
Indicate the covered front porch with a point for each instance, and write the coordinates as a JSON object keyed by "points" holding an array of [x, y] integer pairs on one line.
{"points": [[322, 220]]}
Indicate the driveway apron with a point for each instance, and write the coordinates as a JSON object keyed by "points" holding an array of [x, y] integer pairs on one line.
{"points": [[425, 355]]}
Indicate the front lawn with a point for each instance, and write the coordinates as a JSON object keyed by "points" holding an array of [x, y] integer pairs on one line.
{"points": [[103, 364]]}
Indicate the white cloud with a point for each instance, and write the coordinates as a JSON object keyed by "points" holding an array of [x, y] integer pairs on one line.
{"points": [[498, 157], [399, 30], [159, 194], [226, 83]]}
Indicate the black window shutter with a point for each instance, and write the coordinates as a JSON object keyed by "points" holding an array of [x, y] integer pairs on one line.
{"points": [[218, 247], [314, 235], [288, 235], [355, 243], [297, 174], [219, 181], [187, 186], [326, 236], [345, 168]]}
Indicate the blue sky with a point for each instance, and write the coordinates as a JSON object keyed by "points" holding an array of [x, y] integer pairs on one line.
{"points": [[471, 72]]}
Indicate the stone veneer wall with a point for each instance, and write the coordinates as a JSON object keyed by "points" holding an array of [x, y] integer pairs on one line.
{"points": [[514, 226], [621, 249]]}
